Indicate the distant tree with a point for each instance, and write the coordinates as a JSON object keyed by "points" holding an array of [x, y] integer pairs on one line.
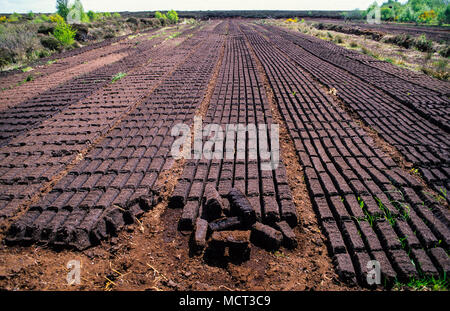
{"points": [[62, 8], [418, 11], [77, 14], [92, 15], [446, 15]]}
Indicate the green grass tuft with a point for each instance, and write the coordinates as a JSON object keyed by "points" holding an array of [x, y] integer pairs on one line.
{"points": [[118, 76], [424, 284]]}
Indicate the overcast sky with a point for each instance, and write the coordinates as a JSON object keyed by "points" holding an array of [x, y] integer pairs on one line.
{"points": [[24, 6]]}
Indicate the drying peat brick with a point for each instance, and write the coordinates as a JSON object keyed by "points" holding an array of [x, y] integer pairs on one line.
{"points": [[236, 241], [190, 213], [289, 212], [289, 240], [241, 206], [442, 260], [229, 223], [271, 210], [266, 237], [179, 194], [201, 229], [214, 205], [344, 268]]}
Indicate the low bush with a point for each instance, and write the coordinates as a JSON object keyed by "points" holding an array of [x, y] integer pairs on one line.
{"points": [[133, 20], [402, 40], [50, 43], [159, 15], [423, 44], [56, 18], [445, 51], [64, 34], [82, 31], [46, 29], [44, 17], [15, 17], [6, 57], [18, 41]]}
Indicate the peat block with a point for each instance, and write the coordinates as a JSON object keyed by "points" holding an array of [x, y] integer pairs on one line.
{"points": [[237, 243], [190, 213], [230, 223], [266, 237], [201, 230], [214, 205], [241, 206], [288, 234]]}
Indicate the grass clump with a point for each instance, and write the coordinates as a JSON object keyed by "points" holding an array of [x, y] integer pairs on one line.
{"points": [[174, 35], [437, 70], [423, 44], [338, 39], [424, 284], [118, 76]]}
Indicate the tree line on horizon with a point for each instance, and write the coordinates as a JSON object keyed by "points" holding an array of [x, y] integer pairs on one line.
{"points": [[413, 11]]}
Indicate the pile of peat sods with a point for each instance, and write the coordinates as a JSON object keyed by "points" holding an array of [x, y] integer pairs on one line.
{"points": [[224, 228]]}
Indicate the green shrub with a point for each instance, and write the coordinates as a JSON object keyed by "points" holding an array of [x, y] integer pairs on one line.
{"points": [[158, 15], [15, 17], [92, 15], [64, 33], [44, 17], [116, 15], [172, 16], [56, 18]]}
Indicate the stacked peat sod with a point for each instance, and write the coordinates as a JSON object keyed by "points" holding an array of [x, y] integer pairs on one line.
{"points": [[224, 227]]}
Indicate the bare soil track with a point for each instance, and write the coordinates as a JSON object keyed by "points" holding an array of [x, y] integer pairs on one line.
{"points": [[86, 170]]}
